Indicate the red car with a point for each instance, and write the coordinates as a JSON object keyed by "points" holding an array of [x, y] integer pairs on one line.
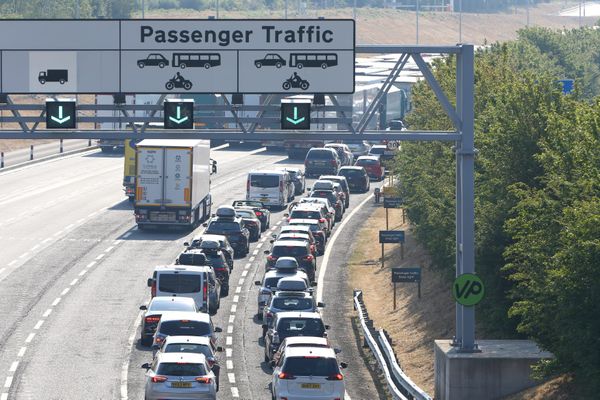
{"points": [[372, 164]]}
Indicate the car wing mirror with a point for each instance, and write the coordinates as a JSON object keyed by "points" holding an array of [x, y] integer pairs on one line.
{"points": [[337, 351], [146, 365], [313, 283], [320, 304], [267, 252], [327, 326], [218, 329], [205, 224], [265, 326], [150, 282], [286, 215], [257, 283], [219, 348], [272, 241], [343, 365], [274, 236], [186, 244], [143, 308]]}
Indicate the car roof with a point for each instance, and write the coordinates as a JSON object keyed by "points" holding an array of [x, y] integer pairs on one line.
{"points": [[332, 178], [295, 227], [307, 206], [368, 158], [274, 273], [181, 315], [210, 236], [298, 314], [267, 172], [324, 352], [357, 167], [308, 340], [172, 299], [290, 243], [303, 221], [195, 358], [379, 146], [188, 339], [292, 293], [177, 267], [293, 235]]}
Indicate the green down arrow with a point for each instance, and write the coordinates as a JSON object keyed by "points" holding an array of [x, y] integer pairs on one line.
{"points": [[60, 119], [178, 120], [296, 120]]}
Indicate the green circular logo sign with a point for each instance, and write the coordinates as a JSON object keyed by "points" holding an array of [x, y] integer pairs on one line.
{"points": [[468, 289]]}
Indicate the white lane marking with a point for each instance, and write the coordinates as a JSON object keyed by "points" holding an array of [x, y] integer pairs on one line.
{"points": [[231, 377], [244, 273], [2, 270], [233, 308], [99, 256], [238, 289], [56, 301], [258, 246], [109, 249], [231, 319], [236, 298], [279, 222], [125, 236], [9, 380], [13, 366], [83, 272], [68, 227], [90, 215], [35, 247], [228, 340], [230, 329], [46, 240], [39, 324], [251, 259], [74, 282], [80, 220], [65, 291], [125, 365], [90, 265], [58, 233], [241, 281], [247, 265], [10, 264], [30, 337], [327, 253], [47, 312], [117, 242], [263, 240], [22, 351], [4, 396], [229, 364], [24, 254], [235, 392], [255, 252], [228, 352]]}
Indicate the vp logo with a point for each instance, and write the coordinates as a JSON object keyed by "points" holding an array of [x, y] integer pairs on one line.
{"points": [[468, 289]]}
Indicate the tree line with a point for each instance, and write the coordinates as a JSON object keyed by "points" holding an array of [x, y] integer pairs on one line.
{"points": [[537, 192]]}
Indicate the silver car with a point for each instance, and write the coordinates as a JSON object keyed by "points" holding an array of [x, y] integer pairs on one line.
{"points": [[179, 376]]}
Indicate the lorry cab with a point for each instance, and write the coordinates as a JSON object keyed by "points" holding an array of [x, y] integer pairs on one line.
{"points": [[183, 281], [272, 188]]}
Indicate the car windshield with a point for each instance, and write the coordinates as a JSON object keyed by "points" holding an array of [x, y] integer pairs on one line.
{"points": [[289, 251], [310, 366], [319, 154], [377, 150], [179, 283], [185, 328], [291, 303], [367, 161], [223, 226], [188, 348], [241, 203], [181, 369], [305, 214], [264, 181], [170, 305], [300, 327]]}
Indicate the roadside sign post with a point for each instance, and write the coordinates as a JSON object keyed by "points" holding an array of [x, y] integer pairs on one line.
{"points": [[390, 237], [406, 275], [393, 202]]}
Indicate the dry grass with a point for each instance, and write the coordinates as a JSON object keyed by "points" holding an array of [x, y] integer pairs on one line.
{"points": [[559, 388]]}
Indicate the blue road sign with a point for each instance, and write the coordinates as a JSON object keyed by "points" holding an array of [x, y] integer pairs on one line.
{"points": [[391, 236]]}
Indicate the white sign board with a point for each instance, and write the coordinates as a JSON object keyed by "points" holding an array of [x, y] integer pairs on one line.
{"points": [[177, 56]]}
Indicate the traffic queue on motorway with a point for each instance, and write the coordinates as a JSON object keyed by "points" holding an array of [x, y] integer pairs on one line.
{"points": [[177, 322]]}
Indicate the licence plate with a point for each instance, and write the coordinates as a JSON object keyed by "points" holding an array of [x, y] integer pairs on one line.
{"points": [[162, 217], [311, 386], [181, 384], [264, 199]]}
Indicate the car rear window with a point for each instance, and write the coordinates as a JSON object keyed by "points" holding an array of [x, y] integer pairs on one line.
{"points": [[305, 214], [319, 155], [351, 172], [300, 327], [181, 369], [290, 251], [188, 348], [271, 282], [192, 258], [169, 305], [264, 181], [179, 283], [367, 161], [185, 328], [223, 226], [246, 213], [310, 366], [377, 150], [292, 304]]}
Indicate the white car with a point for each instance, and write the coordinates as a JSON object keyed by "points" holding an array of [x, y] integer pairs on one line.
{"points": [[179, 376], [308, 373]]}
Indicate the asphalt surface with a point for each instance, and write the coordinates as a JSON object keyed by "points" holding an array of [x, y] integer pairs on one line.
{"points": [[73, 270]]}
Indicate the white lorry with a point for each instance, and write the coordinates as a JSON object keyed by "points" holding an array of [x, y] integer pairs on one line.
{"points": [[173, 182]]}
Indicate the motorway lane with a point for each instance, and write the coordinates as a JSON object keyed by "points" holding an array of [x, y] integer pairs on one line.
{"points": [[52, 309]]}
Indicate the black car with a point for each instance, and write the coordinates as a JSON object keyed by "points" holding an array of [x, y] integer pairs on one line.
{"points": [[262, 213], [233, 228], [320, 161], [224, 246], [251, 222], [299, 249], [343, 183], [291, 323], [357, 178], [271, 60]]}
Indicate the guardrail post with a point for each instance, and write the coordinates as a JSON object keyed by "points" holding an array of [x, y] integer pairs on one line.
{"points": [[89, 142], [61, 146], [30, 152], [1, 159]]}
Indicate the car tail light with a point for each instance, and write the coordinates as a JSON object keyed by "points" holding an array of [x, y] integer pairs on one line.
{"points": [[153, 289], [336, 377], [159, 379], [285, 375], [204, 291], [248, 185], [258, 214], [321, 220], [271, 258], [202, 379], [269, 314], [152, 320], [308, 258]]}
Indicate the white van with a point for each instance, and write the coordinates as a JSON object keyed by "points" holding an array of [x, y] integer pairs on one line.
{"points": [[182, 281], [272, 188]]}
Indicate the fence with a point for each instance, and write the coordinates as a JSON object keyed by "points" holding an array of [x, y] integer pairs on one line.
{"points": [[400, 386]]}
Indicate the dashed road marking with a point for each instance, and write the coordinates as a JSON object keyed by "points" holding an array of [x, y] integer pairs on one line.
{"points": [[258, 246], [9, 380], [247, 265], [244, 273], [47, 312], [241, 281], [10, 264], [230, 329], [109, 249], [229, 364], [24, 255], [4, 396], [125, 236], [13, 366], [68, 227], [255, 252], [125, 365], [233, 308], [235, 392], [231, 319], [2, 270], [22, 351], [35, 247], [238, 289], [83, 272], [90, 265], [65, 291], [39, 324], [56, 301], [251, 259], [231, 377], [236, 298], [46, 240], [30, 337], [74, 282], [228, 352], [99, 256], [228, 340]]}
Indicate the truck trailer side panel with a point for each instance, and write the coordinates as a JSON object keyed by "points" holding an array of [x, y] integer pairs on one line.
{"points": [[149, 182]]}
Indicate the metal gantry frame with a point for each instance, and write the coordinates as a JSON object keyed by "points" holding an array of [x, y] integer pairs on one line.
{"points": [[461, 116]]}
